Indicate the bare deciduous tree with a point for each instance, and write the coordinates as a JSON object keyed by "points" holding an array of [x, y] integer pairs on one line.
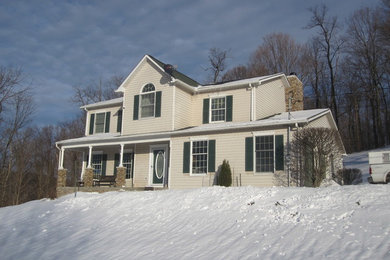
{"points": [[278, 53], [331, 44], [217, 59], [311, 152]]}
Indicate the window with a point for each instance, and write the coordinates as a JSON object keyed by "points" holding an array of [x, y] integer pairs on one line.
{"points": [[128, 163], [148, 101], [218, 109], [97, 165], [99, 125], [265, 153], [199, 157]]}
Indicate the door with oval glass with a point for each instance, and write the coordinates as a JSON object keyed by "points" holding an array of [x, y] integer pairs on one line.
{"points": [[159, 165]]}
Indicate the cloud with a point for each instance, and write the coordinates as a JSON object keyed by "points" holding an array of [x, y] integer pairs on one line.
{"points": [[64, 43]]}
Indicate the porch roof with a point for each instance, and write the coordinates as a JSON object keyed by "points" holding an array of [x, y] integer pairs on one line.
{"points": [[296, 117]]}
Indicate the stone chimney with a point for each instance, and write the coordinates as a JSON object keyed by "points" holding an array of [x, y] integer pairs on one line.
{"points": [[295, 90]]}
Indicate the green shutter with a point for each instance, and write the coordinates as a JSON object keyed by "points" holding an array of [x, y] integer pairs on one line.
{"points": [[104, 164], [211, 156], [107, 127], [249, 154], [135, 107], [158, 104], [119, 122], [206, 112], [279, 153], [186, 157], [116, 163], [229, 108], [91, 123]]}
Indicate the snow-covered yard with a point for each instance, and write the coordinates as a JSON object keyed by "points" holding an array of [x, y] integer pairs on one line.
{"points": [[337, 222]]}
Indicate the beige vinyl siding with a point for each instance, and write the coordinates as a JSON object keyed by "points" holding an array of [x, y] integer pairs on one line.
{"points": [[323, 121], [183, 109], [141, 165], [229, 146], [241, 104], [146, 73], [270, 99], [113, 117]]}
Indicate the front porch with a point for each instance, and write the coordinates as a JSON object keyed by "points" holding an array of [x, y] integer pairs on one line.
{"points": [[130, 165]]}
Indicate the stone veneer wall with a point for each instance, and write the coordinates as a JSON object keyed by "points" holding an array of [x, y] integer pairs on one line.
{"points": [[296, 91], [88, 177], [120, 177], [61, 178]]}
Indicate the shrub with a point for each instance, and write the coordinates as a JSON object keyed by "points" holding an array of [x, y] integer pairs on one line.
{"points": [[225, 175]]}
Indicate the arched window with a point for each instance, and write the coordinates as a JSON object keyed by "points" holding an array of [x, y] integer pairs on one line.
{"points": [[148, 97]]}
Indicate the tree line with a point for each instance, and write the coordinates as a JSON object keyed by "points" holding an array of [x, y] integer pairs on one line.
{"points": [[347, 71], [344, 66]]}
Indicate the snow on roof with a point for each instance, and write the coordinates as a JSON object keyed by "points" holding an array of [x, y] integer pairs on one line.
{"points": [[279, 119], [241, 81], [104, 103], [303, 116]]}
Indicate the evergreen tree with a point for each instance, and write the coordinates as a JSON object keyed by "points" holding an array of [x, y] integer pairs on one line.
{"points": [[225, 175]]}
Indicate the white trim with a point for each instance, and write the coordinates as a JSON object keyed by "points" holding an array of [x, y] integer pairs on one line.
{"points": [[83, 167], [173, 107], [207, 160], [262, 133], [90, 157], [255, 172], [134, 160], [199, 138], [121, 155], [97, 152], [170, 165], [95, 119], [118, 142], [210, 104]]}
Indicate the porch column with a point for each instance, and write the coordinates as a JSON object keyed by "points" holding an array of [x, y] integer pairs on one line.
{"points": [[121, 156], [90, 157], [61, 158], [88, 173], [82, 167]]}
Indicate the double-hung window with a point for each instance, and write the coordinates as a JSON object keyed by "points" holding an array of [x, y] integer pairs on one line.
{"points": [[199, 157], [99, 123], [97, 165], [148, 101], [218, 109], [128, 163], [265, 153]]}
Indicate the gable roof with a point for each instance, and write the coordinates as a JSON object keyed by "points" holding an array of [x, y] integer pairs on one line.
{"points": [[176, 74]]}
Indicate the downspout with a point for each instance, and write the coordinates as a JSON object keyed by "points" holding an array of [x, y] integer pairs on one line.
{"points": [[252, 103]]}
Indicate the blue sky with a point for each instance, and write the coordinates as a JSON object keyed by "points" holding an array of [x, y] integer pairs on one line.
{"points": [[60, 44]]}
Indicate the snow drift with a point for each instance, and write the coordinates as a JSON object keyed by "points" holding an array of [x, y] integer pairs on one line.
{"points": [[336, 222]]}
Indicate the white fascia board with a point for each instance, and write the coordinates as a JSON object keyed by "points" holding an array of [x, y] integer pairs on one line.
{"points": [[121, 88], [105, 103], [70, 146]]}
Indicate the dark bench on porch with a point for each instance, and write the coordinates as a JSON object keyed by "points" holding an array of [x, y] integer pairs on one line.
{"points": [[105, 180]]}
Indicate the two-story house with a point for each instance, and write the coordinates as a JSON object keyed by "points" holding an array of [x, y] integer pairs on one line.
{"points": [[167, 130]]}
